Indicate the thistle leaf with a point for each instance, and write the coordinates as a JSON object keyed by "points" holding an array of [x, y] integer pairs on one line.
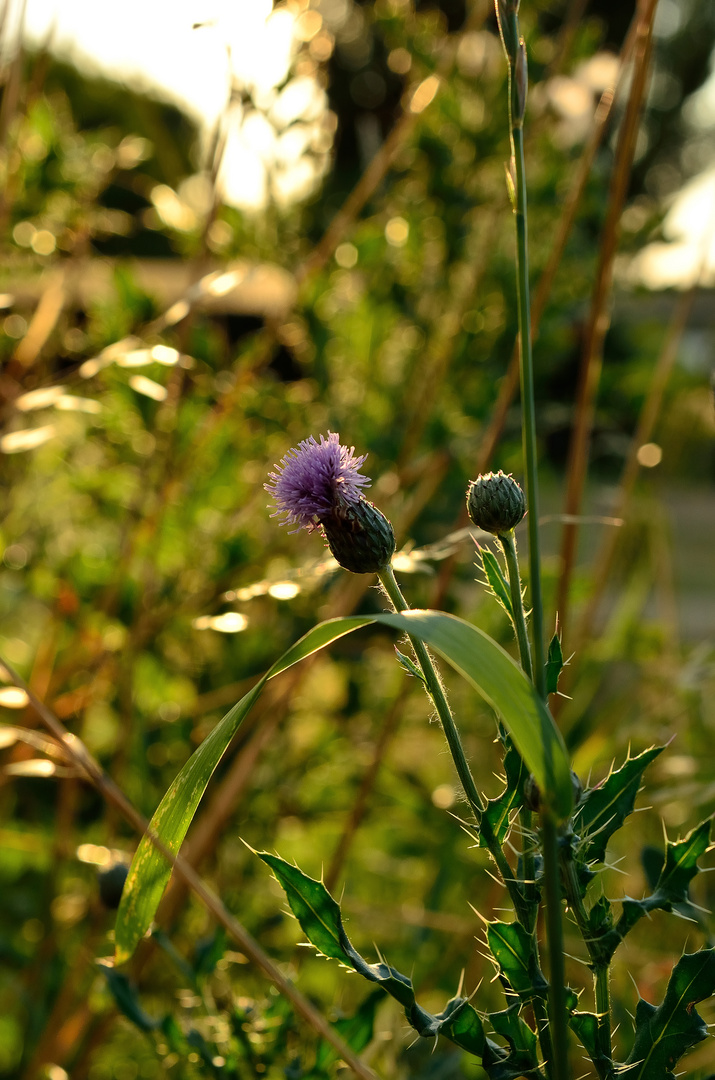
{"points": [[498, 810], [681, 863], [604, 808], [409, 665], [512, 948], [585, 1026], [554, 664], [321, 921], [522, 1058], [671, 891], [665, 1033], [497, 583], [313, 907]]}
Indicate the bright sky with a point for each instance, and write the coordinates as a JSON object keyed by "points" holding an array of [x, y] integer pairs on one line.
{"points": [[152, 44]]}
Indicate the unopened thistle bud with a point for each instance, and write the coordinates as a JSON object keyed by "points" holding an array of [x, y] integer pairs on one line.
{"points": [[495, 503], [360, 537], [318, 486]]}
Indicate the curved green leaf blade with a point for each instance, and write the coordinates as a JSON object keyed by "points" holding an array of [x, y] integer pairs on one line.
{"points": [[502, 683], [150, 872], [480, 660]]}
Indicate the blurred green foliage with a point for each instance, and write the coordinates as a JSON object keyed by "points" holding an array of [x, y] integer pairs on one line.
{"points": [[139, 517]]}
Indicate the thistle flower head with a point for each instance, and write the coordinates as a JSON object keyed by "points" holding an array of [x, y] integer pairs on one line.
{"points": [[495, 503], [319, 485], [315, 481]]}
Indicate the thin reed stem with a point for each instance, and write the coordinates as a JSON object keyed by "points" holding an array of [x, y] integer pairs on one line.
{"points": [[599, 319], [526, 368], [514, 47], [436, 692]]}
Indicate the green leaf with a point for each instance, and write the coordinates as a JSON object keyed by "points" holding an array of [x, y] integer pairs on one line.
{"points": [[671, 892], [321, 921], [503, 685], [149, 873], [522, 1059], [604, 808], [482, 662], [585, 1026], [511, 946], [497, 583], [498, 810], [313, 907], [681, 863], [554, 664], [409, 665], [663, 1034]]}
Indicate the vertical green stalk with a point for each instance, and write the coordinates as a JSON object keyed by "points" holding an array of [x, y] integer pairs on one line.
{"points": [[529, 415], [514, 47], [435, 690], [555, 943], [599, 965], [508, 543]]}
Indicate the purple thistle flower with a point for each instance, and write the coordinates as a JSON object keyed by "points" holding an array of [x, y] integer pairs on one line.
{"points": [[316, 480]]}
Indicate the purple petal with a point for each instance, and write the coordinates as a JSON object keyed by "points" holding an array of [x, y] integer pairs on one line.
{"points": [[315, 479]]}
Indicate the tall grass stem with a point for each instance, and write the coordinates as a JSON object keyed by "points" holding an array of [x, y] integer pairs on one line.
{"points": [[526, 368], [518, 81]]}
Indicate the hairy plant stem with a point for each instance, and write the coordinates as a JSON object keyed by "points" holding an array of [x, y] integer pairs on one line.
{"points": [[508, 543], [435, 690], [554, 938], [604, 1058], [518, 81]]}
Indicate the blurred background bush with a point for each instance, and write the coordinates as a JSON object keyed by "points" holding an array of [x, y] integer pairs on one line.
{"points": [[243, 227]]}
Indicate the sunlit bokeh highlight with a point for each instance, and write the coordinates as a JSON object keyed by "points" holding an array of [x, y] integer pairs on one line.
{"points": [[228, 65]]}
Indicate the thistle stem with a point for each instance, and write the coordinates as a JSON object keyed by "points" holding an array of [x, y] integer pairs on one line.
{"points": [[435, 690], [508, 543], [555, 946], [603, 1059]]}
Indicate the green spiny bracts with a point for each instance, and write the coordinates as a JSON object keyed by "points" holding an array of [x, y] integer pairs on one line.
{"points": [[359, 536], [495, 503]]}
